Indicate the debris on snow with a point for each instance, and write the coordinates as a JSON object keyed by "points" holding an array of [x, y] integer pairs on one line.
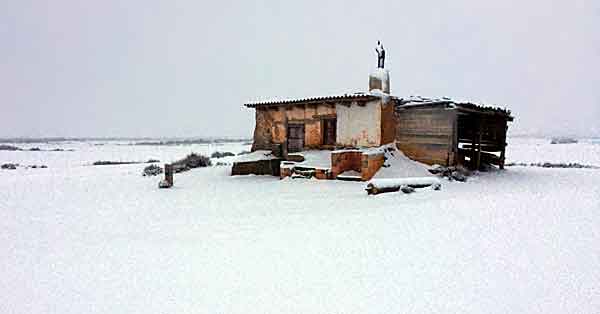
{"points": [[407, 189], [457, 173], [552, 165], [563, 140], [218, 154], [377, 186]]}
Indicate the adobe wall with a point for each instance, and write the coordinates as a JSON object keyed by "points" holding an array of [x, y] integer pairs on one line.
{"points": [[359, 125], [388, 123], [271, 124]]}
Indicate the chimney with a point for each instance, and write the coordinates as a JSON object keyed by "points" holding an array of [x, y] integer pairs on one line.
{"points": [[379, 80]]}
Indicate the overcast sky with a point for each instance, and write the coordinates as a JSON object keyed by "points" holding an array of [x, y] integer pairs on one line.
{"points": [[185, 68]]}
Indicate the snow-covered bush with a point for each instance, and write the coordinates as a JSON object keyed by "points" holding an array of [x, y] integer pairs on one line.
{"points": [[9, 147], [191, 161], [152, 170], [9, 166], [221, 154]]}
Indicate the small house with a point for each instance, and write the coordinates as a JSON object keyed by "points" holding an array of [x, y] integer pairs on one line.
{"points": [[432, 131]]}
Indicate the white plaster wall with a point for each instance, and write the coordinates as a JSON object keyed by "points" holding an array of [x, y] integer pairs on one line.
{"points": [[359, 125]]}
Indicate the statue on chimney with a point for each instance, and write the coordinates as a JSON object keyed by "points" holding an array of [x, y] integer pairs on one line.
{"points": [[380, 55]]}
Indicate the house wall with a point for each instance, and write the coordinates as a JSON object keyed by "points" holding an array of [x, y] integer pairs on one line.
{"points": [[359, 125], [427, 134], [388, 123], [271, 124], [263, 129]]}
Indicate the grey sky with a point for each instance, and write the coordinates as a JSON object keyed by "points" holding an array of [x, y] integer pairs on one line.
{"points": [[184, 68]]}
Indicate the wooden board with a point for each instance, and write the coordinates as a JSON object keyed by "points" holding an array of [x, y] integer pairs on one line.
{"points": [[426, 135], [329, 131], [295, 137]]}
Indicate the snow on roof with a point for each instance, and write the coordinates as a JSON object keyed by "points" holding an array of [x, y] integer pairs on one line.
{"points": [[417, 101], [341, 97]]}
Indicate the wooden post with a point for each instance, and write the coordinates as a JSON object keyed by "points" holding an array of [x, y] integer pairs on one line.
{"points": [[473, 162], [169, 174], [502, 153], [453, 151], [480, 131]]}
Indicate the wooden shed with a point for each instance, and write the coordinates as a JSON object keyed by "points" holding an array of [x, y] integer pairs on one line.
{"points": [[449, 133]]}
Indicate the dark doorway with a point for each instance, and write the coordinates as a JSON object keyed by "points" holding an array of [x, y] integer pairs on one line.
{"points": [[329, 128], [295, 137]]}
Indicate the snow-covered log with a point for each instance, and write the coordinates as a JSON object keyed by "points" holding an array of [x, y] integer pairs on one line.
{"points": [[377, 186]]}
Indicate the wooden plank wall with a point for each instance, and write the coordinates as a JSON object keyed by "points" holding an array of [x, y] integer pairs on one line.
{"points": [[427, 134]]}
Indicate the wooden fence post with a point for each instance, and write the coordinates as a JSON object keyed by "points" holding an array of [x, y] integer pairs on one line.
{"points": [[169, 174]]}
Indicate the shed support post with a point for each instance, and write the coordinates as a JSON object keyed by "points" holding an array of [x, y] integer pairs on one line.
{"points": [[479, 134], [503, 152], [472, 161]]}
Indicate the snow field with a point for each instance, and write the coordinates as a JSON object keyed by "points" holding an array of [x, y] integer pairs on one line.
{"points": [[107, 240]]}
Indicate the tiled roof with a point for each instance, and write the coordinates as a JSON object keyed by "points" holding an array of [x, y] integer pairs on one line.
{"points": [[291, 101]]}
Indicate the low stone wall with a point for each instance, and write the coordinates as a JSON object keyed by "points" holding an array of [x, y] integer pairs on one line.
{"points": [[258, 167], [366, 163]]}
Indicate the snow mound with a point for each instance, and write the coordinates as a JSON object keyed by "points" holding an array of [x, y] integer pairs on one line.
{"points": [[318, 159], [255, 156], [397, 165]]}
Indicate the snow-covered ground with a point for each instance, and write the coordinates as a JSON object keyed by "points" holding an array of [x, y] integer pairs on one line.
{"points": [[534, 150], [83, 239]]}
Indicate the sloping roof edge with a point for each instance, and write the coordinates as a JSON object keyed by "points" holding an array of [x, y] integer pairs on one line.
{"points": [[291, 101], [411, 102]]}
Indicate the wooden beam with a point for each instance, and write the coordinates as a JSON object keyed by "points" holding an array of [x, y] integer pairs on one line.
{"points": [[503, 152], [479, 144]]}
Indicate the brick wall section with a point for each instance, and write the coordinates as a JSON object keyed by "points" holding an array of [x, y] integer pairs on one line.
{"points": [[285, 171], [321, 174], [366, 164], [370, 164], [388, 123], [271, 124], [345, 160]]}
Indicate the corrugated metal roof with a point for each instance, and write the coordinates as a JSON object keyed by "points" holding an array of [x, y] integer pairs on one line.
{"points": [[416, 101], [291, 101]]}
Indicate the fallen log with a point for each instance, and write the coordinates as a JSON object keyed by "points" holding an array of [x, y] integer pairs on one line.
{"points": [[378, 186]]}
